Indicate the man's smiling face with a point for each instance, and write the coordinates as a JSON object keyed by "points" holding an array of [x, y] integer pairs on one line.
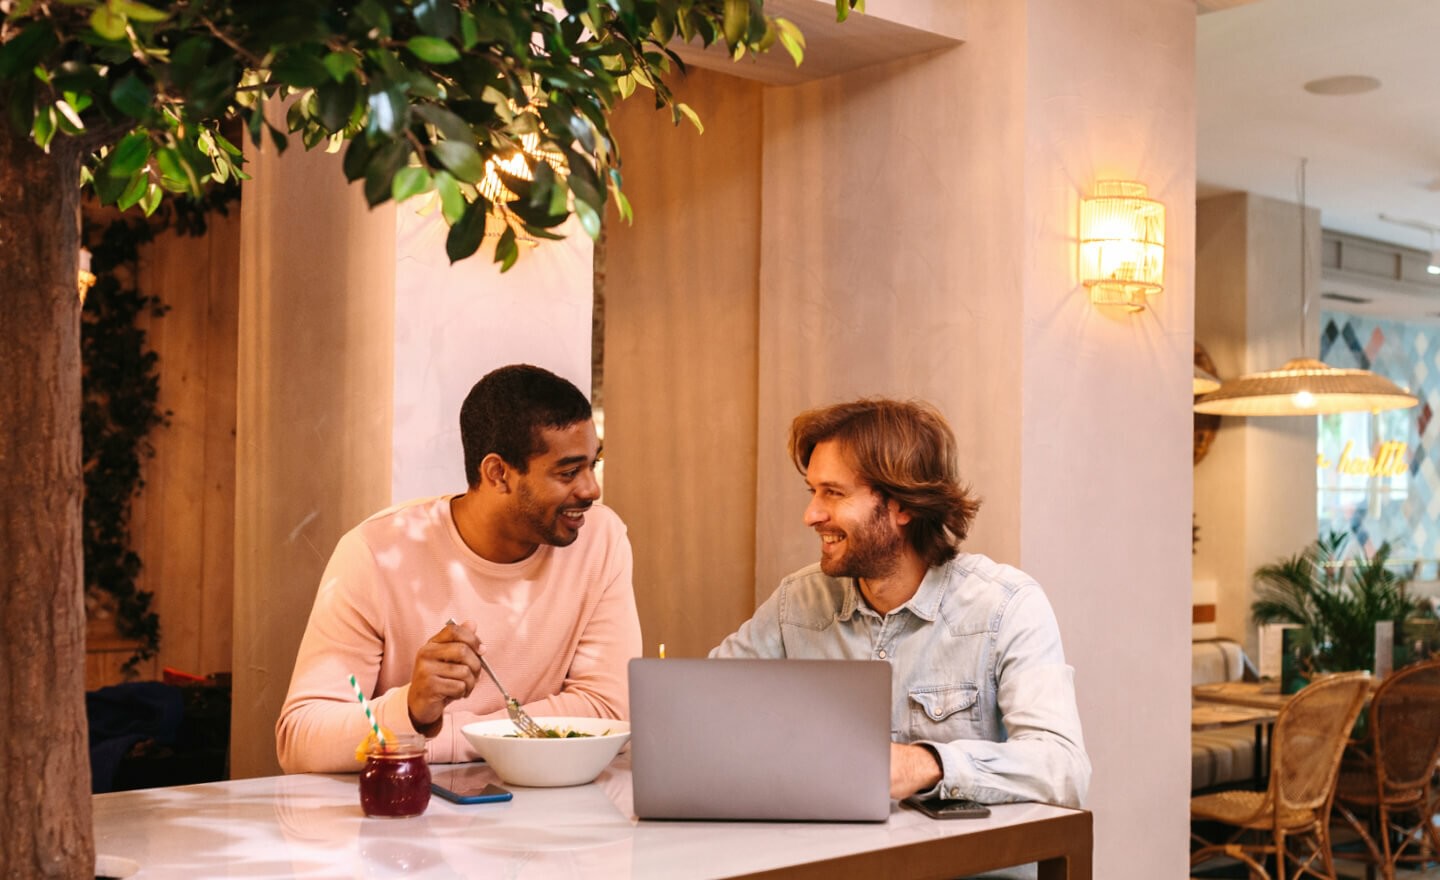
{"points": [[559, 485], [859, 533]]}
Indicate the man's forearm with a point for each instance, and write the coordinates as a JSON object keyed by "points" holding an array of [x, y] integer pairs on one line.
{"points": [[912, 768]]}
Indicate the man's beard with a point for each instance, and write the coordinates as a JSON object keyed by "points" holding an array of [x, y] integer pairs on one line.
{"points": [[545, 524], [872, 550]]}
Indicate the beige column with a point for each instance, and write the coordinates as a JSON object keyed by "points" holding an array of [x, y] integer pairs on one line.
{"points": [[1105, 454], [680, 361], [1255, 490], [317, 294]]}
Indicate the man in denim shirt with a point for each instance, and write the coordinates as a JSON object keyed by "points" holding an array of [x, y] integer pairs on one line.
{"points": [[984, 703]]}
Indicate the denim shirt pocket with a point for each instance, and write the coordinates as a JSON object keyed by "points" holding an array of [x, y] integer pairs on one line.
{"points": [[945, 712]]}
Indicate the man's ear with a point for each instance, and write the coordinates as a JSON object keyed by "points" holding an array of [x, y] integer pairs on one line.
{"points": [[495, 473], [898, 514]]}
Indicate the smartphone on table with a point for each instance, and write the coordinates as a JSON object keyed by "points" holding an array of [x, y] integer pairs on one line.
{"points": [[467, 784], [948, 808]]}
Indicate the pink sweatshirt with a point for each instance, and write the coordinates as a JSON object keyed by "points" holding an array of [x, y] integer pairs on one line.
{"points": [[558, 629]]}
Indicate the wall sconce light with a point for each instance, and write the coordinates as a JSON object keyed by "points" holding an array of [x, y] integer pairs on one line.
{"points": [[1122, 244]]}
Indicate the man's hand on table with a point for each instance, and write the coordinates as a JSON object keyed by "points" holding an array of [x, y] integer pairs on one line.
{"points": [[446, 669], [912, 768]]}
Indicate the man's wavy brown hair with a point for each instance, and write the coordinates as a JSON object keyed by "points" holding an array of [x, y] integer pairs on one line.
{"points": [[905, 451]]}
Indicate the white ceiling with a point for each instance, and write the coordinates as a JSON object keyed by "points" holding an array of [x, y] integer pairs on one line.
{"points": [[1368, 154]]}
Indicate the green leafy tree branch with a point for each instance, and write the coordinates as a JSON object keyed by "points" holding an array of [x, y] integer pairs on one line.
{"points": [[427, 96]]}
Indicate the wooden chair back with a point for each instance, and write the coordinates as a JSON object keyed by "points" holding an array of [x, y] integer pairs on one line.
{"points": [[1309, 738], [1405, 719]]}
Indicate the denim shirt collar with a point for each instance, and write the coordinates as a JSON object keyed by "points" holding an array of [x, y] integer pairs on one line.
{"points": [[925, 604]]}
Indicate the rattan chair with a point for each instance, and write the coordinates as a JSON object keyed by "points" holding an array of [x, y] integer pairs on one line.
{"points": [[1389, 778], [1289, 820]]}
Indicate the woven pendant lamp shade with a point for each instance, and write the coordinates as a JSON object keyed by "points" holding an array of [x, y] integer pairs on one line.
{"points": [[1205, 381], [1304, 386]]}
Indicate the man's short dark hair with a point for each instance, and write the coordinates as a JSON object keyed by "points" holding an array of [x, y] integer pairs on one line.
{"points": [[506, 411]]}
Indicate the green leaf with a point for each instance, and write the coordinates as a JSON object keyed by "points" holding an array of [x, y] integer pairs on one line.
{"points": [[129, 155], [792, 39], [340, 64], [44, 127], [109, 188], [357, 156], [380, 173], [623, 205], [462, 159], [449, 124], [506, 251], [151, 200], [409, 181], [691, 115], [469, 33], [589, 218], [131, 97], [24, 51], [68, 114], [137, 188], [438, 18], [107, 23], [226, 145], [300, 69], [138, 11], [452, 201], [373, 13], [737, 21], [465, 236], [176, 172], [389, 111], [77, 76], [433, 49], [335, 101]]}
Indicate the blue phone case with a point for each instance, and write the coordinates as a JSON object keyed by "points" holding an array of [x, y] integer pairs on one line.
{"points": [[490, 794]]}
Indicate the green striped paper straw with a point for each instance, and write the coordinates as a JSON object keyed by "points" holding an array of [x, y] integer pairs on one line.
{"points": [[360, 695]]}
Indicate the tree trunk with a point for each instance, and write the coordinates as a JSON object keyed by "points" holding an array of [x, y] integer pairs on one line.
{"points": [[44, 758]]}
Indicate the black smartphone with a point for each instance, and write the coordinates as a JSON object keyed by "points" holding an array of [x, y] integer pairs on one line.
{"points": [[467, 784], [946, 808]]}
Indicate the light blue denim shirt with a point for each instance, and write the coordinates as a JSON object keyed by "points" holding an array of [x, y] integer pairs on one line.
{"points": [[979, 673]]}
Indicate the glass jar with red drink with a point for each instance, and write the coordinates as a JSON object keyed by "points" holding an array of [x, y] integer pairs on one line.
{"points": [[396, 780]]}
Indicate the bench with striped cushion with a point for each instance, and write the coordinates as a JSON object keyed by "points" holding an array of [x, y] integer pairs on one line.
{"points": [[1226, 756]]}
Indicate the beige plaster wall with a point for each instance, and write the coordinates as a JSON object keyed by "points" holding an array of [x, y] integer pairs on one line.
{"points": [[456, 322], [317, 294], [1255, 491], [890, 266]]}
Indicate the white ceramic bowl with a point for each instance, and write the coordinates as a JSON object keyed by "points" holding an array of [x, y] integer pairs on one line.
{"points": [[546, 763]]}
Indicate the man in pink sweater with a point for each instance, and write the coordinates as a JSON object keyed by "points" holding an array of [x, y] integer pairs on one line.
{"points": [[537, 573]]}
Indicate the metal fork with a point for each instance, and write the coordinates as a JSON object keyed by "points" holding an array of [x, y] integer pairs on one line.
{"points": [[518, 716]]}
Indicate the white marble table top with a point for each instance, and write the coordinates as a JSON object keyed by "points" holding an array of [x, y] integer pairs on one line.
{"points": [[311, 826]]}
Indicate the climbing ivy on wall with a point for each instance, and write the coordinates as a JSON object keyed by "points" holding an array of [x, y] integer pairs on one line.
{"points": [[120, 408]]}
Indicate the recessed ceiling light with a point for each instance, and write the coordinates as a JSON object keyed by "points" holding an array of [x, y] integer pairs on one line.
{"points": [[1342, 85]]}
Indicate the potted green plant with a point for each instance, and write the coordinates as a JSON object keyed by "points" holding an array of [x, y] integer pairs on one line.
{"points": [[1335, 601]]}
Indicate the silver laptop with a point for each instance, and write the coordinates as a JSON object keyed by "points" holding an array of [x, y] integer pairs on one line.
{"points": [[805, 740]]}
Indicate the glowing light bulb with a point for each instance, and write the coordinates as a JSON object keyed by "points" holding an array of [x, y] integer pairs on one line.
{"points": [[1303, 399]]}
